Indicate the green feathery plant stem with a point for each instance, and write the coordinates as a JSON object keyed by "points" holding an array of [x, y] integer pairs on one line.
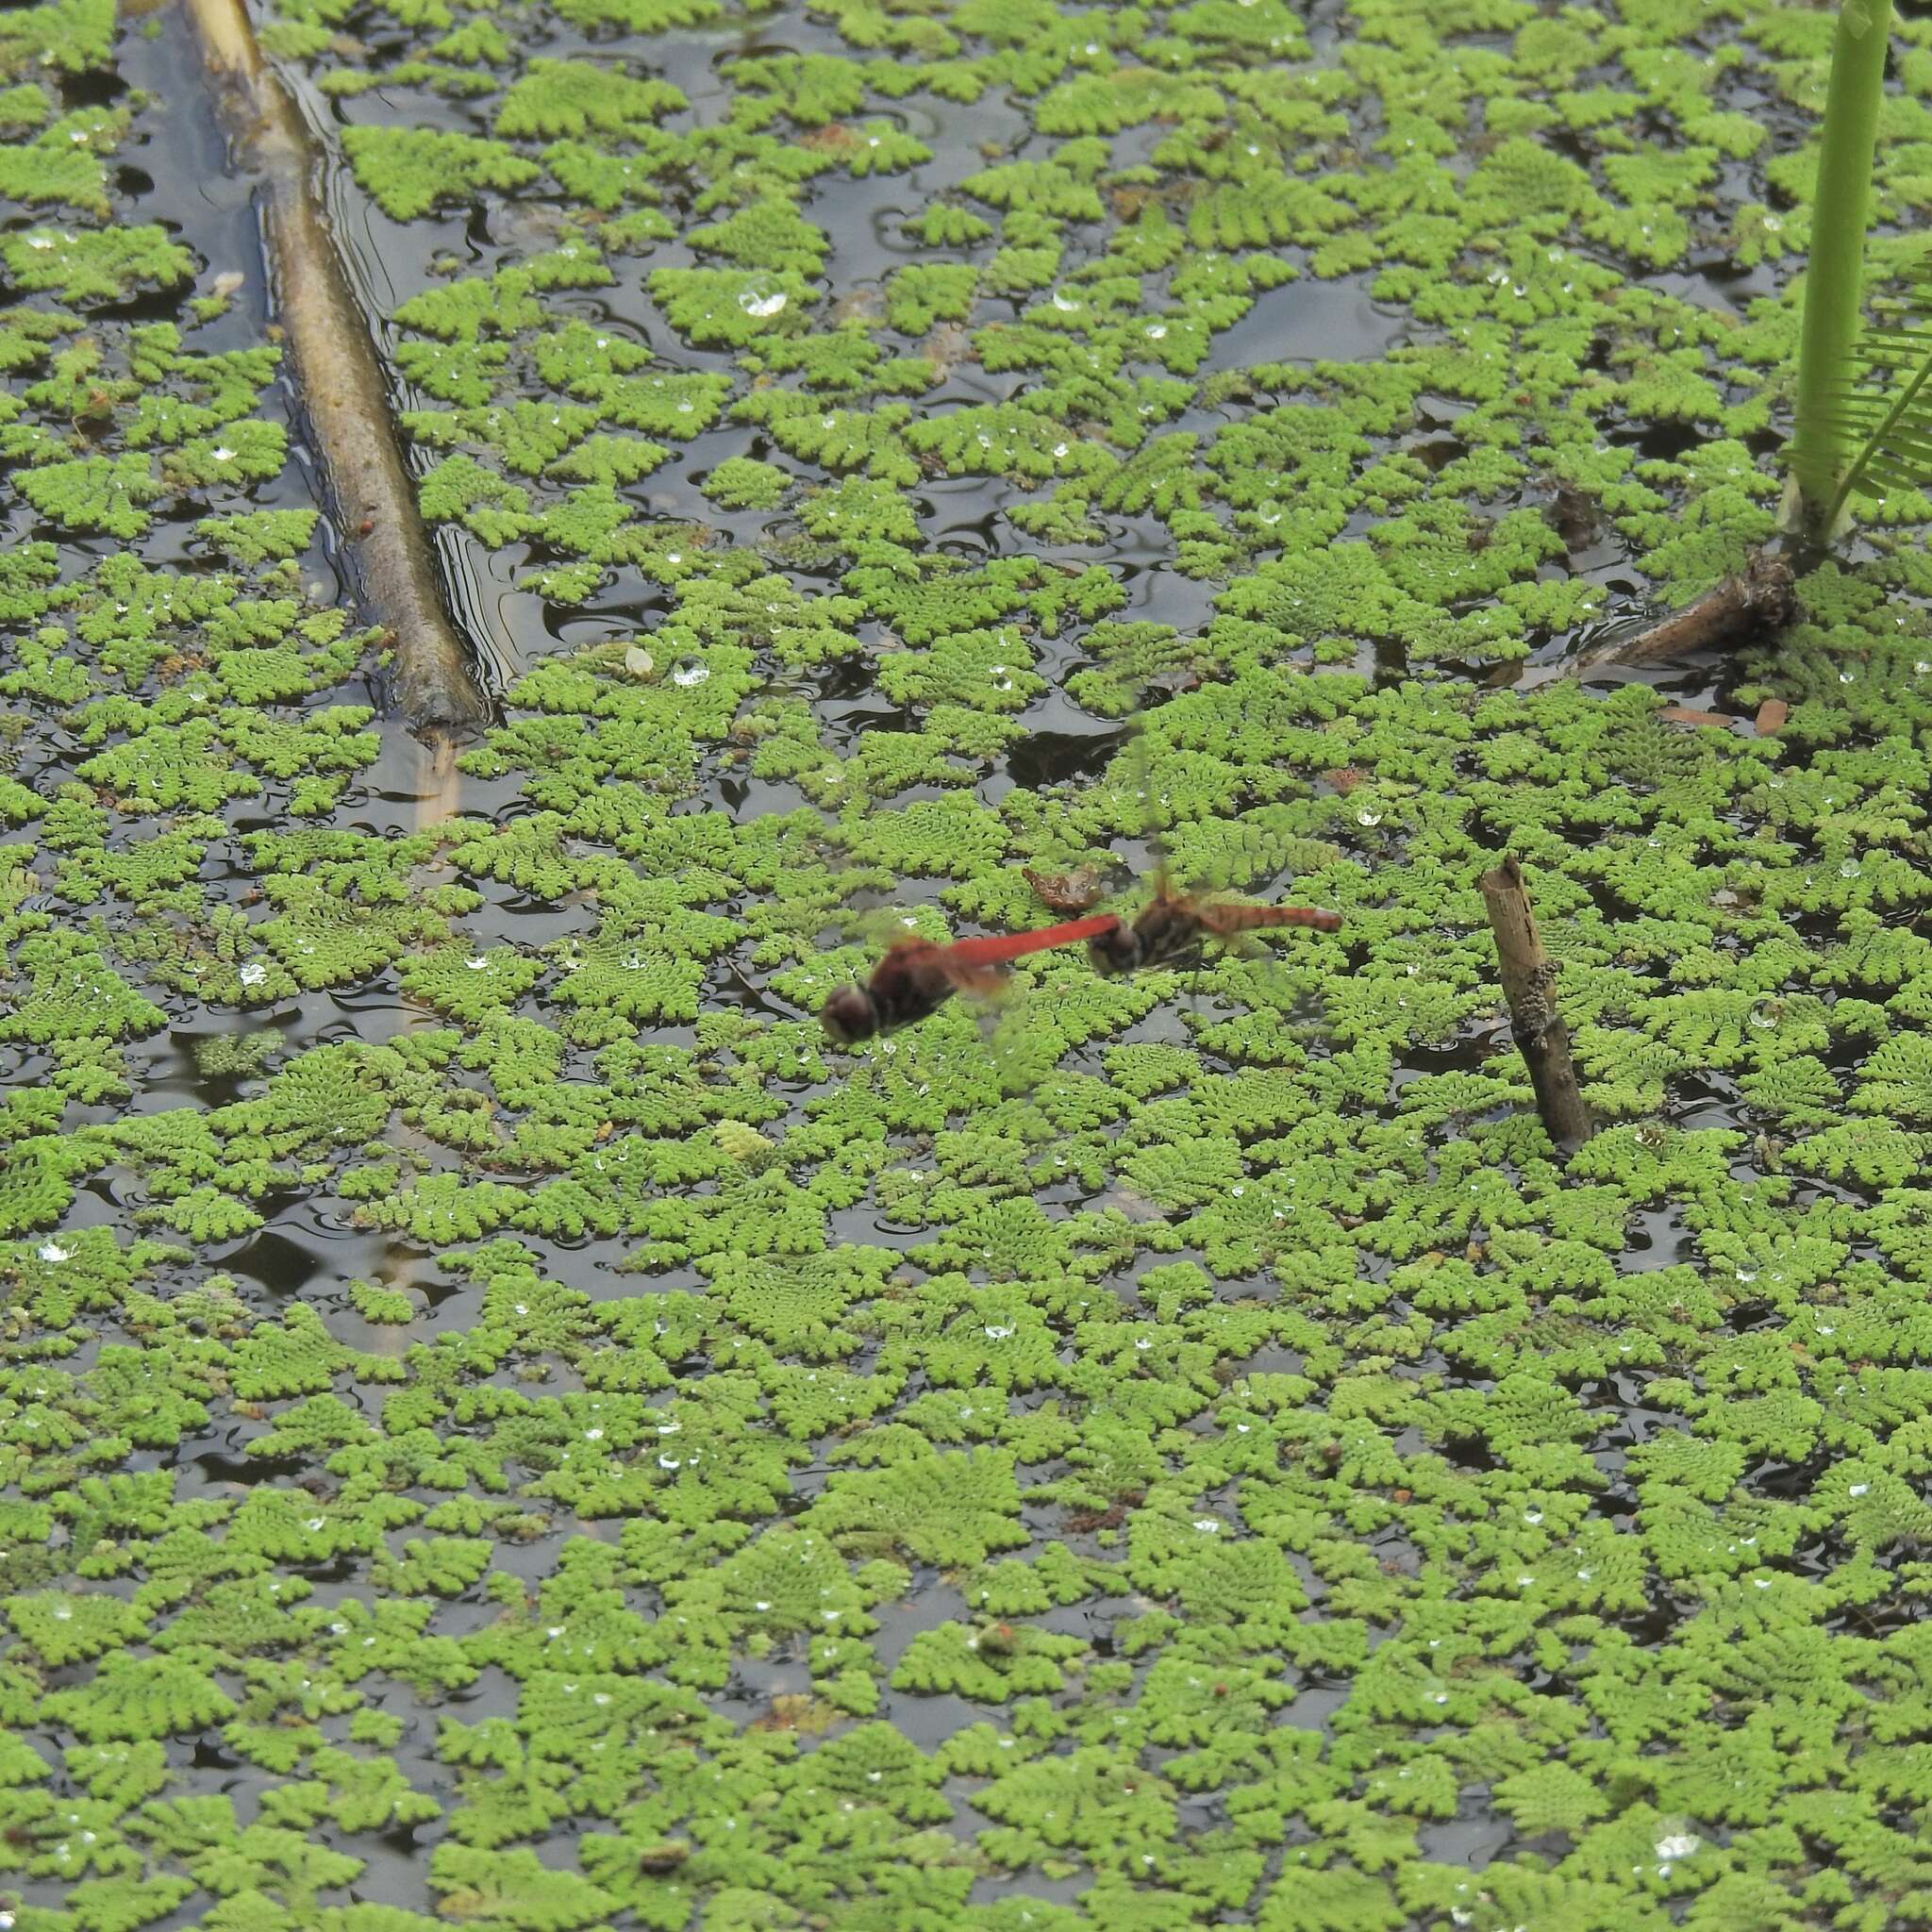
{"points": [[1896, 451], [1834, 278]]}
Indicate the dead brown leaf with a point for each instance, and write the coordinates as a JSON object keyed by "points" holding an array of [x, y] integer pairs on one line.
{"points": [[1064, 892]]}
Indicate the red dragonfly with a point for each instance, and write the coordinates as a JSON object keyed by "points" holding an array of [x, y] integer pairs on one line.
{"points": [[1173, 928], [917, 976]]}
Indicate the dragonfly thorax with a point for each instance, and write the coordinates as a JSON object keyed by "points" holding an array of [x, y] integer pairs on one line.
{"points": [[1165, 932]]}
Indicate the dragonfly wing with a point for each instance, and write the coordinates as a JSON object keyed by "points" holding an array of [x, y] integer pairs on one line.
{"points": [[1138, 753], [1024, 1046], [889, 931], [1280, 981], [979, 980]]}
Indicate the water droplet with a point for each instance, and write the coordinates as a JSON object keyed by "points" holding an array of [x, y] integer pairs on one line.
{"points": [[761, 299], [692, 671]]}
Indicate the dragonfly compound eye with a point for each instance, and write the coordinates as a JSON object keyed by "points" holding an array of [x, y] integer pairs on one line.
{"points": [[850, 1016]]}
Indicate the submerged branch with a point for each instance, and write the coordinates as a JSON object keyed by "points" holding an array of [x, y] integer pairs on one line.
{"points": [[1528, 976], [1743, 609], [342, 384]]}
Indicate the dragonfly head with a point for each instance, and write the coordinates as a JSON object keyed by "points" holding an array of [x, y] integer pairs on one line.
{"points": [[850, 1016]]}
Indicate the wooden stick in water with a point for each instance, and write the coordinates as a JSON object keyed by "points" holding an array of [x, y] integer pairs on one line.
{"points": [[1529, 977], [1751, 607], [340, 384]]}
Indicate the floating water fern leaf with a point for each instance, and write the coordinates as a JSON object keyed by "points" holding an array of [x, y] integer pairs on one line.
{"points": [[131, 1697], [729, 308], [95, 265], [106, 493], [745, 483], [948, 1509], [513, 1887], [409, 171], [554, 97]]}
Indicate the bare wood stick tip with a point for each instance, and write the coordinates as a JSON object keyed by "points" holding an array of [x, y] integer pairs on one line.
{"points": [[1529, 978]]}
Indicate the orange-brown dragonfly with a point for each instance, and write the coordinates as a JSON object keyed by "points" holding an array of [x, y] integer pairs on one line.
{"points": [[1173, 928], [917, 976]]}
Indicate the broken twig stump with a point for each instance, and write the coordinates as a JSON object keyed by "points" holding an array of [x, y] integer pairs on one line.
{"points": [[1529, 978], [1751, 607]]}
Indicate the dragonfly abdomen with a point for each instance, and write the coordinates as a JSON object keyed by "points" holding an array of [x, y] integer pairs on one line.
{"points": [[1246, 918]]}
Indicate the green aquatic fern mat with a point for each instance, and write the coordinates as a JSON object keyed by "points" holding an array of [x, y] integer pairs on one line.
{"points": [[408, 171], [1154, 1451]]}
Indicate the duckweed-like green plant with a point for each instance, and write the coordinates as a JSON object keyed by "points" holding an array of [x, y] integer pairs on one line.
{"points": [[1160, 1465]]}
